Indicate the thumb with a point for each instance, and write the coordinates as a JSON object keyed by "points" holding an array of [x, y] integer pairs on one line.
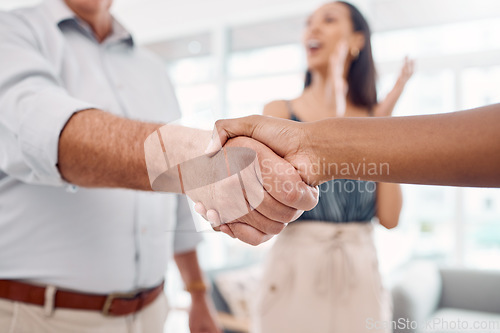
{"points": [[226, 129]]}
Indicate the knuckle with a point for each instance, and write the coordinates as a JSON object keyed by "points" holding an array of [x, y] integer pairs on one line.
{"points": [[276, 228], [293, 196], [290, 215], [219, 123], [259, 240], [254, 240], [284, 215]]}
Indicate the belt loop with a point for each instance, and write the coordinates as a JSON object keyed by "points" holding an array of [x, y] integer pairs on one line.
{"points": [[50, 298]]}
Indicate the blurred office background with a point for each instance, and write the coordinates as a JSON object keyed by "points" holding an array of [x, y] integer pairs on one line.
{"points": [[233, 56]]}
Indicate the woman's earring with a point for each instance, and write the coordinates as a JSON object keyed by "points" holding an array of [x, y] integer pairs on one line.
{"points": [[355, 53]]}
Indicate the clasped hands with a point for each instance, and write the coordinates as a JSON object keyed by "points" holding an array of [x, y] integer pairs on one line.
{"points": [[249, 183]]}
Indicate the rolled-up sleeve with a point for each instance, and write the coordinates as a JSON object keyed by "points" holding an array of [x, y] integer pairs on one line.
{"points": [[186, 238], [34, 106]]}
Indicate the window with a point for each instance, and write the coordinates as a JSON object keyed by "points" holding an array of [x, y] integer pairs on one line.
{"points": [[441, 40], [481, 207], [194, 77], [481, 214], [259, 76], [453, 226], [480, 86]]}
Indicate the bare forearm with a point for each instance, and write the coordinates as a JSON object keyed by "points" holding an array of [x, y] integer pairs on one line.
{"points": [[191, 273], [385, 108], [190, 270], [389, 204], [458, 148], [98, 149]]}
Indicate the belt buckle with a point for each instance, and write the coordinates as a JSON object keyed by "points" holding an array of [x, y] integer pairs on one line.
{"points": [[111, 297]]}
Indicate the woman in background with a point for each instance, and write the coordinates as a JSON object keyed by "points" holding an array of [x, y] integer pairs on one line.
{"points": [[322, 273]]}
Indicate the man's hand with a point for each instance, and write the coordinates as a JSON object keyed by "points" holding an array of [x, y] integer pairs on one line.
{"points": [[284, 138], [202, 315], [94, 153], [245, 183], [285, 196]]}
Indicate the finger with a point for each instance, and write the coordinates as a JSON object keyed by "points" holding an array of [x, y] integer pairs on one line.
{"points": [[342, 51], [210, 216], [257, 194], [282, 181], [214, 218], [225, 229], [200, 209], [412, 66], [248, 234], [262, 223], [251, 126], [271, 208], [279, 178]]}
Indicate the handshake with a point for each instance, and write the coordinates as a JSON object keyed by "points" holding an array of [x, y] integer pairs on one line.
{"points": [[258, 173], [248, 180]]}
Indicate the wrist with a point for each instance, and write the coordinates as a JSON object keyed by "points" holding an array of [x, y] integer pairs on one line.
{"points": [[400, 84], [197, 289], [325, 141], [314, 140], [165, 149], [198, 297]]}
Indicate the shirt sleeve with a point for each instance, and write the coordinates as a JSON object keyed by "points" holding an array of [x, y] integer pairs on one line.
{"points": [[34, 106], [186, 238]]}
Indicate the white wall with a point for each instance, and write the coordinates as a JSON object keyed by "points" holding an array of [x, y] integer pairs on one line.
{"points": [[153, 20]]}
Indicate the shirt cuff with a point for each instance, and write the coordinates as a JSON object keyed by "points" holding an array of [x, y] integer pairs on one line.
{"points": [[39, 135]]}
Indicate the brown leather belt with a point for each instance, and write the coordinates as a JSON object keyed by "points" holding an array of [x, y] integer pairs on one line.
{"points": [[110, 305]]}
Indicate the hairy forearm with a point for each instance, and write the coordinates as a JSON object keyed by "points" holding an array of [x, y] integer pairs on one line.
{"points": [[98, 149], [447, 149]]}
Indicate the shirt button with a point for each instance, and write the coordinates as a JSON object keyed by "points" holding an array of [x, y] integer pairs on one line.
{"points": [[72, 188]]}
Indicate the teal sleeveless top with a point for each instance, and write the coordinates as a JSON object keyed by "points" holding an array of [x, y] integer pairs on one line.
{"points": [[342, 200]]}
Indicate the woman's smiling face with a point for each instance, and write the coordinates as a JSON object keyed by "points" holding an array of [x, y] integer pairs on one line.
{"points": [[325, 29]]}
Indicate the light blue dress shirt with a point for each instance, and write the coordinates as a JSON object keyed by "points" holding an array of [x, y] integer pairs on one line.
{"points": [[92, 240]]}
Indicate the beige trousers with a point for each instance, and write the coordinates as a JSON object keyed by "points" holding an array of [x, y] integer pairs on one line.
{"points": [[322, 278], [18, 317]]}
